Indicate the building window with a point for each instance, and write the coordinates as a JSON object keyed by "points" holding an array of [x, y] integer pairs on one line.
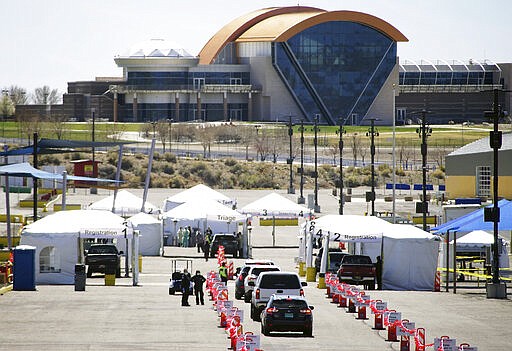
{"points": [[198, 83], [401, 115], [483, 181], [49, 260]]}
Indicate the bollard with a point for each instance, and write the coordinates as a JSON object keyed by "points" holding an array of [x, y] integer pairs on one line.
{"points": [[351, 306], [420, 339], [405, 343], [343, 301], [378, 322], [437, 282], [310, 274], [302, 271], [392, 333], [361, 312], [321, 281]]}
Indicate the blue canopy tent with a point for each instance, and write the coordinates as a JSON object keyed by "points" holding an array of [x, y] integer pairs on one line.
{"points": [[24, 169], [475, 220]]}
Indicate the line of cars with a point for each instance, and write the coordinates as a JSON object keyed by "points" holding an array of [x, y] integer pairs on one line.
{"points": [[276, 297]]}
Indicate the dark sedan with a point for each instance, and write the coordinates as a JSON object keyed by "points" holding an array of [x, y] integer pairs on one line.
{"points": [[287, 314]]}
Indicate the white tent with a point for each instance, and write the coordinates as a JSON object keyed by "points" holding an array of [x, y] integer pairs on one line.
{"points": [[56, 238], [276, 205], [481, 241], [150, 233], [409, 254], [201, 213], [197, 192], [126, 204], [409, 258]]}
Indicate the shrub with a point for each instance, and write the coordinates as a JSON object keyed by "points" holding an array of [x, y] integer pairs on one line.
{"points": [[168, 157], [230, 162]]}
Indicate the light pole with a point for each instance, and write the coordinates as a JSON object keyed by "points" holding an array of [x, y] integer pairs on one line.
{"points": [[497, 289], [393, 158], [341, 131], [94, 174], [424, 131], [315, 128], [372, 133], [291, 189], [301, 199]]}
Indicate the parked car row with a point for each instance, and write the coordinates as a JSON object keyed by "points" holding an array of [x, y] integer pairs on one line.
{"points": [[276, 297]]}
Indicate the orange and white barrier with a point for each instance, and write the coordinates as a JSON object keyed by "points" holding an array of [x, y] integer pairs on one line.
{"points": [[231, 270], [437, 282]]}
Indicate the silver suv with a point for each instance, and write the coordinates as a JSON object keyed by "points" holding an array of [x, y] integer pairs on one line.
{"points": [[269, 283]]}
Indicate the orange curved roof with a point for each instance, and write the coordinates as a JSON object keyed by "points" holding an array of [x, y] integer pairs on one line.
{"points": [[282, 27], [281, 23], [231, 31]]}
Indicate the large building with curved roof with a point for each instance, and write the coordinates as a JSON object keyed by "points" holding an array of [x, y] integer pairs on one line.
{"points": [[269, 65], [300, 62]]}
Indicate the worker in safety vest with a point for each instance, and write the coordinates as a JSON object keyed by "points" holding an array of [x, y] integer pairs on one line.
{"points": [[223, 272]]}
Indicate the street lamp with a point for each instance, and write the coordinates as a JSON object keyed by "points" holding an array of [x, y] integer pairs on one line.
{"points": [[301, 199], [94, 174], [424, 131], [153, 124], [497, 289], [341, 131], [315, 129], [291, 189], [372, 133]]}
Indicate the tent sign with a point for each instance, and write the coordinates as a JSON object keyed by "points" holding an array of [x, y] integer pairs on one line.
{"points": [[106, 233], [333, 236]]}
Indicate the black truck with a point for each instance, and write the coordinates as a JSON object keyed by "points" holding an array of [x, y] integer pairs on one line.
{"points": [[102, 257]]}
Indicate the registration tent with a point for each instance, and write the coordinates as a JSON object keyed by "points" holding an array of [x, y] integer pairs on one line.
{"points": [[409, 253], [126, 204], [56, 238], [276, 205], [150, 234], [197, 192]]}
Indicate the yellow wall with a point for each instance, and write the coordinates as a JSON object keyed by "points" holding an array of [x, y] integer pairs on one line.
{"points": [[465, 186], [460, 186]]}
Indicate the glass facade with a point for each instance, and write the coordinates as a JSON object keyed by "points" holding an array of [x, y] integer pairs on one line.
{"points": [[335, 69], [182, 80], [433, 77]]}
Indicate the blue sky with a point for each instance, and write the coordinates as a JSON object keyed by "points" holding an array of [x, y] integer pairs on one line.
{"points": [[52, 42]]}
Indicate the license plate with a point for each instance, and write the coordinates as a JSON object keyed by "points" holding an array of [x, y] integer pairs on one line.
{"points": [[288, 315]]}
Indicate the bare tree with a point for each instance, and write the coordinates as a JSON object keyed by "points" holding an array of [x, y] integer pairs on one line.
{"points": [[278, 143], [162, 130], [438, 154], [363, 152], [207, 133], [262, 144], [115, 130], [18, 95], [332, 150], [46, 96], [56, 125], [355, 145], [246, 136], [404, 152]]}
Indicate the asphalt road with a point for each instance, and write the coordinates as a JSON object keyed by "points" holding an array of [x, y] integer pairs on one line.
{"points": [[145, 317]]}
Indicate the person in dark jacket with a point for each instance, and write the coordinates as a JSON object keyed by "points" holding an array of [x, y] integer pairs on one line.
{"points": [[198, 281], [185, 287], [206, 248]]}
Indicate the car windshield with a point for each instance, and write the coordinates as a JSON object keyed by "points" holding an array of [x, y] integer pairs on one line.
{"points": [[257, 271], [289, 303], [280, 281], [102, 250], [336, 257]]}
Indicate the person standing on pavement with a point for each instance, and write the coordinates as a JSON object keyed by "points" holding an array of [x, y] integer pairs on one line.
{"points": [[206, 248], [186, 234], [198, 281], [180, 236], [185, 287], [223, 272], [378, 272], [199, 240]]}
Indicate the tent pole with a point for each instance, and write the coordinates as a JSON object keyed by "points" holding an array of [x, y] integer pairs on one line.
{"points": [[447, 251], [273, 230], [64, 189], [118, 175], [454, 261], [8, 212], [148, 174]]}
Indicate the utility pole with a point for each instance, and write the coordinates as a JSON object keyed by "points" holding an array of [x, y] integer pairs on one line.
{"points": [[291, 189], [301, 199], [372, 133], [498, 289], [341, 131], [424, 131], [315, 128]]}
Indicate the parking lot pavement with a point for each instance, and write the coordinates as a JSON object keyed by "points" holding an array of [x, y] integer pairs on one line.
{"points": [[146, 317]]}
